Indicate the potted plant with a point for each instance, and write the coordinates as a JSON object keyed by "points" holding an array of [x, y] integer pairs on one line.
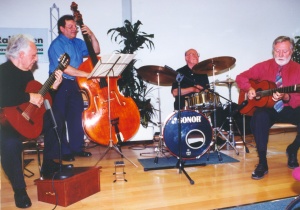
{"points": [[130, 84], [296, 53]]}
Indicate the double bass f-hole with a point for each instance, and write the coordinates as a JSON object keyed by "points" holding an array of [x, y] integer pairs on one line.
{"points": [[116, 96]]}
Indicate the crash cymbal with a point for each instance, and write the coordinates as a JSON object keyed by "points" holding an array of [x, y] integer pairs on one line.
{"points": [[218, 64], [151, 74], [228, 81]]}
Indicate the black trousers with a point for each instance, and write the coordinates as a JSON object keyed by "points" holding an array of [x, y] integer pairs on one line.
{"points": [[264, 118], [12, 147]]}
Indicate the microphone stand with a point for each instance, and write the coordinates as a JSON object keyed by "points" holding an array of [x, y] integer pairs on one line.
{"points": [[60, 174], [180, 163]]}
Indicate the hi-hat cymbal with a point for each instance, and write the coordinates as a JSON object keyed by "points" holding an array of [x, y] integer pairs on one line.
{"points": [[229, 81], [215, 65], [151, 74]]}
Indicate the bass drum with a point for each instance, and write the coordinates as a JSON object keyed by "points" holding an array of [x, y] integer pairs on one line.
{"points": [[196, 134]]}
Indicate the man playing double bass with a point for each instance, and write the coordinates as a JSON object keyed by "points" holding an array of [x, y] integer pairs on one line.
{"points": [[68, 98]]}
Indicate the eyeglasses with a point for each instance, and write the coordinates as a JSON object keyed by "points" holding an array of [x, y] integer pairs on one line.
{"points": [[70, 27], [192, 54]]}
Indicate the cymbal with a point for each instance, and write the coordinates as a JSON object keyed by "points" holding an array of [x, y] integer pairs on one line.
{"points": [[228, 81], [151, 74], [218, 64]]}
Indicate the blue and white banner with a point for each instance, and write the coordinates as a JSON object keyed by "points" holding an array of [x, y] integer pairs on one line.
{"points": [[40, 35]]}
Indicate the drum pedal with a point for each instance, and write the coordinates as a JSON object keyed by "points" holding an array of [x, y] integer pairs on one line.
{"points": [[119, 175]]}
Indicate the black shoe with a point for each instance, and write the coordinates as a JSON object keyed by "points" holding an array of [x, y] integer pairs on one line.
{"points": [[292, 158], [49, 167], [68, 157], [260, 171], [21, 199], [83, 154]]}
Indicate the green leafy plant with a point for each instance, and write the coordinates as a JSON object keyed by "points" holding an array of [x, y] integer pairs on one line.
{"points": [[131, 84], [296, 53]]}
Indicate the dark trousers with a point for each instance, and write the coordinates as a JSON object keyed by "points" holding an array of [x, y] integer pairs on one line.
{"points": [[68, 101], [264, 118], [12, 147], [11, 157]]}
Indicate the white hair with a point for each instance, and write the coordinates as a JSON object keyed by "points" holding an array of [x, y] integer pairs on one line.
{"points": [[17, 44]]}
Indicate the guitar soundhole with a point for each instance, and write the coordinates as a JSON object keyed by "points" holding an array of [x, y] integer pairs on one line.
{"points": [[258, 96]]}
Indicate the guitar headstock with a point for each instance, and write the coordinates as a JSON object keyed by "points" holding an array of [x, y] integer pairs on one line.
{"points": [[297, 88], [64, 61], [77, 15]]}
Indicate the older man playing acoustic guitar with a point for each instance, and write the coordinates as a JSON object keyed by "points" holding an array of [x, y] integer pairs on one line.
{"points": [[282, 71]]}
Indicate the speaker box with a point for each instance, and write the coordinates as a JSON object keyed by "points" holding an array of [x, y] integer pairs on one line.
{"points": [[84, 182]]}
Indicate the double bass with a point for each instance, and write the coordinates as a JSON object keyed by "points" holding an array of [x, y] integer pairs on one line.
{"points": [[116, 119]]}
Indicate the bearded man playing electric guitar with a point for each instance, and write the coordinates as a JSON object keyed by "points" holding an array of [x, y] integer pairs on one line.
{"points": [[284, 72]]}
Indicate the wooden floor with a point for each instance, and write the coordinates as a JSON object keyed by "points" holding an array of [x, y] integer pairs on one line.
{"points": [[216, 186]]}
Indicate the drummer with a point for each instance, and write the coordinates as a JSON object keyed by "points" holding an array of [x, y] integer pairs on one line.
{"points": [[191, 83]]}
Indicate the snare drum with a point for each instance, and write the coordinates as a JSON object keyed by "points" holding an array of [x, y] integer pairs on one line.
{"points": [[204, 99], [196, 134]]}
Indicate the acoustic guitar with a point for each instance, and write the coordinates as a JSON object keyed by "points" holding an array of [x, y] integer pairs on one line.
{"points": [[264, 91], [27, 118]]}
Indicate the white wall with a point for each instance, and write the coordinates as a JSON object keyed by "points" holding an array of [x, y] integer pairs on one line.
{"points": [[238, 28], [242, 29], [100, 16]]}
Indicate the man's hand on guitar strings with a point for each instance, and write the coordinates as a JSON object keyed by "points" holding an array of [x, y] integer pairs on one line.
{"points": [[36, 99], [251, 93], [277, 96]]}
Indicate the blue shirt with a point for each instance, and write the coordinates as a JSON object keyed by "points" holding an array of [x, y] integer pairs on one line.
{"points": [[76, 49]]}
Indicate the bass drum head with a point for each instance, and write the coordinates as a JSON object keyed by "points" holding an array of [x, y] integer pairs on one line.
{"points": [[196, 134]]}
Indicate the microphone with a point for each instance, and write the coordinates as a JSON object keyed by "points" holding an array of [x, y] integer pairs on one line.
{"points": [[48, 107], [296, 173], [238, 108]]}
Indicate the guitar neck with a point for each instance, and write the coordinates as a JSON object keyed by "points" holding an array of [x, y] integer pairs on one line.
{"points": [[45, 88], [288, 89], [78, 18]]}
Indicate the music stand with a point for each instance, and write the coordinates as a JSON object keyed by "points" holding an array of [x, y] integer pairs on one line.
{"points": [[111, 66]]}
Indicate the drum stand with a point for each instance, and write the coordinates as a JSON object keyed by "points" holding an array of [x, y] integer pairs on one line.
{"points": [[159, 149], [230, 137], [216, 130]]}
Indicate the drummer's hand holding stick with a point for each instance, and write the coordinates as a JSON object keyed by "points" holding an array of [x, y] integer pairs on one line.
{"points": [[198, 88], [185, 91]]}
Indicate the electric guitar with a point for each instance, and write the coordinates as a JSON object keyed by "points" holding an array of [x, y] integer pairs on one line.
{"points": [[27, 118], [264, 91]]}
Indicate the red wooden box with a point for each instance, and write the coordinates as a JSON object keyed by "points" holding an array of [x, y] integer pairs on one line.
{"points": [[84, 182]]}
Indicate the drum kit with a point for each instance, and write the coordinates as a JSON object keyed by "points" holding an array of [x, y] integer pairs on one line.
{"points": [[198, 133]]}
